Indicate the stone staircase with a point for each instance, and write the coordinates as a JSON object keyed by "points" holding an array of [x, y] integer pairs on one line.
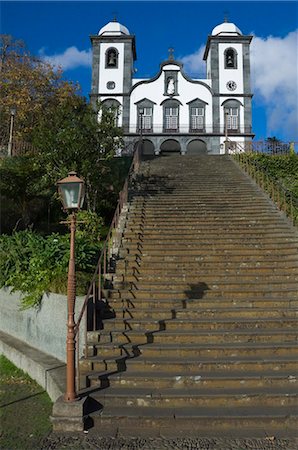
{"points": [[199, 333]]}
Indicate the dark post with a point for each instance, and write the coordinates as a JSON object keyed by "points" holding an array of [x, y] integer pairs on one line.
{"points": [[70, 394]]}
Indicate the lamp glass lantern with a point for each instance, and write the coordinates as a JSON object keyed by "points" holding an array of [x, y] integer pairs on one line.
{"points": [[72, 192]]}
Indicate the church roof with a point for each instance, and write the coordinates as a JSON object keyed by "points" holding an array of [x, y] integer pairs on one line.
{"points": [[113, 29], [226, 29]]}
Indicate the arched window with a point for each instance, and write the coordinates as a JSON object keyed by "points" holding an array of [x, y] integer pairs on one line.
{"points": [[230, 58], [196, 115], [112, 58], [232, 115], [171, 115], [145, 115], [112, 106]]}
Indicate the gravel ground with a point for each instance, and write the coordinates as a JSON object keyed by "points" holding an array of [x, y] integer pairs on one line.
{"points": [[57, 441]]}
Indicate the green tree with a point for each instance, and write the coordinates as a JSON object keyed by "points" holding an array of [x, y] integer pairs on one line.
{"points": [[70, 137], [28, 84], [59, 123]]}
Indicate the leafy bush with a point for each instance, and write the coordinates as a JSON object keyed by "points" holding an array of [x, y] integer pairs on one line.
{"points": [[35, 264], [283, 168]]}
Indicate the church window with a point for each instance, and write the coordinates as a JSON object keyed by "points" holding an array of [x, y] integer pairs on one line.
{"points": [[171, 119], [232, 118], [111, 58], [197, 118], [145, 118], [113, 107], [230, 58]]}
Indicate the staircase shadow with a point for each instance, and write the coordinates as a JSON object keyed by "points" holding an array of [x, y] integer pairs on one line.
{"points": [[141, 182], [197, 291]]}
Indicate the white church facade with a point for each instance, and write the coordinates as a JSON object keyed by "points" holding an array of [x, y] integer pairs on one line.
{"points": [[172, 111]]}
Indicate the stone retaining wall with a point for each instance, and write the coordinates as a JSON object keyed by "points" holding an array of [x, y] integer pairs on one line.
{"points": [[43, 328]]}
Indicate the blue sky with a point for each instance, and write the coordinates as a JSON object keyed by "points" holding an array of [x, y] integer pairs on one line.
{"points": [[59, 31]]}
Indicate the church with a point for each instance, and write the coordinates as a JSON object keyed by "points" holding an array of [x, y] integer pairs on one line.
{"points": [[172, 111]]}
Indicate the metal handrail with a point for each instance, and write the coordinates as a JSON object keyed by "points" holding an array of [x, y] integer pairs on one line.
{"points": [[103, 267], [266, 147], [282, 197]]}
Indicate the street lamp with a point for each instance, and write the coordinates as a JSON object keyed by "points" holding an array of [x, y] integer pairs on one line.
{"points": [[226, 132], [141, 112], [12, 115], [72, 192]]}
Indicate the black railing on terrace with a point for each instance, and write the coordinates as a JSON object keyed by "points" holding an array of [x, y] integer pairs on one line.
{"points": [[186, 129], [268, 147]]}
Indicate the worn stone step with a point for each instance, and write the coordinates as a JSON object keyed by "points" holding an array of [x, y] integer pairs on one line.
{"points": [[208, 366], [218, 381], [198, 292], [177, 398], [220, 260], [197, 422], [271, 365], [202, 267], [152, 248], [206, 250], [161, 336], [149, 320], [187, 306], [187, 277], [166, 310], [216, 350], [199, 285], [181, 322], [205, 239]]}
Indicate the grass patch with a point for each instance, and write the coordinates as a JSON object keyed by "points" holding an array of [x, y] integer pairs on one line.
{"points": [[24, 409]]}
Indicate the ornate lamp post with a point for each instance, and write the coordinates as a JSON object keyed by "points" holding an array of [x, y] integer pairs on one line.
{"points": [[72, 192], [141, 112], [226, 143], [12, 116]]}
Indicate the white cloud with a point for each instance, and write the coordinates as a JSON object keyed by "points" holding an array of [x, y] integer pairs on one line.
{"points": [[194, 64], [275, 81], [71, 58], [274, 72]]}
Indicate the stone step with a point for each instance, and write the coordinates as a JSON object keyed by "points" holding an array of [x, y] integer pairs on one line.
{"points": [[206, 239], [218, 381], [215, 351], [210, 319], [271, 365], [203, 220], [197, 422], [161, 336], [187, 277], [178, 398], [205, 366], [278, 258], [180, 322], [170, 248], [199, 267], [198, 292], [170, 309], [200, 286]]}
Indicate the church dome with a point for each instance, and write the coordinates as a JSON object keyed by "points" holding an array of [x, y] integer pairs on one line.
{"points": [[226, 29], [113, 29]]}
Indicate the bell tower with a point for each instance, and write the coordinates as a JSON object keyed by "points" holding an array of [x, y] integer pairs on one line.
{"points": [[113, 56], [227, 55]]}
